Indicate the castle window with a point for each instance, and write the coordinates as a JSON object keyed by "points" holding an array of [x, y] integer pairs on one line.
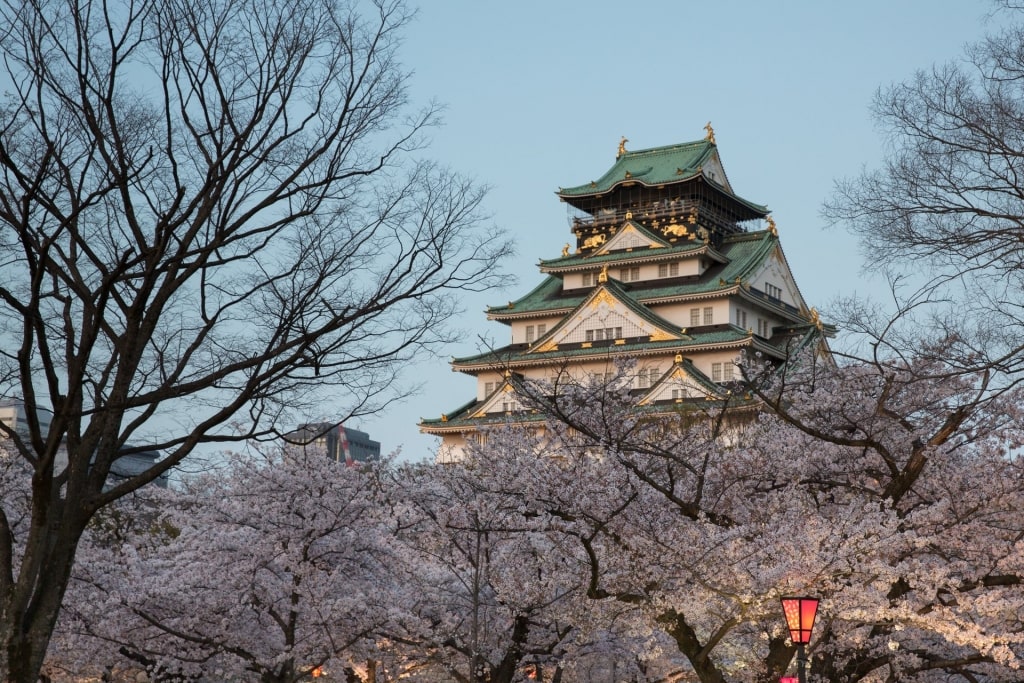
{"points": [[762, 328], [716, 372], [694, 317], [488, 388], [709, 315], [603, 333], [741, 318], [668, 269], [541, 329], [647, 377], [772, 291], [629, 274], [589, 279], [529, 333]]}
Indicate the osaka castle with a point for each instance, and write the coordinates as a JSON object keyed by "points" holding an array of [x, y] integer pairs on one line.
{"points": [[667, 266]]}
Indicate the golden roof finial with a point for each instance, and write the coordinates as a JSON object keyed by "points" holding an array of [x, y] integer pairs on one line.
{"points": [[603, 275], [710, 137], [771, 226], [565, 249], [815, 319], [679, 358], [622, 146]]}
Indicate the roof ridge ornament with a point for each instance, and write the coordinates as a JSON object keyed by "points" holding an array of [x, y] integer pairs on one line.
{"points": [[772, 228], [710, 137], [816, 319], [622, 146]]}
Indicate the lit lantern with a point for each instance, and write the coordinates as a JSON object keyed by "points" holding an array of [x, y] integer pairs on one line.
{"points": [[800, 618], [800, 614]]}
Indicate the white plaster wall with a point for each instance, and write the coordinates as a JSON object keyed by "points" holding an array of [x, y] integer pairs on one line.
{"points": [[519, 328], [679, 313]]}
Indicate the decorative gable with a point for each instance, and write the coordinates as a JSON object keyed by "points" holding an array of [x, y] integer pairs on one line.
{"points": [[682, 382], [605, 316], [631, 236], [714, 170], [502, 400], [775, 279]]}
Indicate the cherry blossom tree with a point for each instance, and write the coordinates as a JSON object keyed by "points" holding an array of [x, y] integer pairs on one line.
{"points": [[268, 572], [495, 591], [860, 485], [644, 542]]}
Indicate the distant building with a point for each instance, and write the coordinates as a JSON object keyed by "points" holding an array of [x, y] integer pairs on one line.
{"points": [[341, 443], [13, 416], [129, 465]]}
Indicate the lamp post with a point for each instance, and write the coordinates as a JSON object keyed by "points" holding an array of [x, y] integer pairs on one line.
{"points": [[800, 620]]}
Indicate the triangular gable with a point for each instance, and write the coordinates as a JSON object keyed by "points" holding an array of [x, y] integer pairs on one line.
{"points": [[682, 382], [631, 235], [502, 400], [607, 314], [776, 270], [712, 169]]}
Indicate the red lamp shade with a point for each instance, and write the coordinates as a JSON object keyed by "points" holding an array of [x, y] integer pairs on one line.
{"points": [[800, 618]]}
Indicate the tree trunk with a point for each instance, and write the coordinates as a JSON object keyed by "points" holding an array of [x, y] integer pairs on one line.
{"points": [[31, 604]]}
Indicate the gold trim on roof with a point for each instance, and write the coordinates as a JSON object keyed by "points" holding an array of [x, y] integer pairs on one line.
{"points": [[603, 297], [815, 319], [622, 146]]}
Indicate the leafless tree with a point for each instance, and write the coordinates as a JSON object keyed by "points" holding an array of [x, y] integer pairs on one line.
{"points": [[208, 212], [943, 217]]}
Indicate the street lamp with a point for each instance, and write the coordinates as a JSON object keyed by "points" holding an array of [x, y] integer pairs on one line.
{"points": [[800, 620]]}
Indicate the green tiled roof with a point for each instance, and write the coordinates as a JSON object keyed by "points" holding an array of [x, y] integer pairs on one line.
{"points": [[658, 166], [463, 415], [745, 252], [654, 166], [506, 355]]}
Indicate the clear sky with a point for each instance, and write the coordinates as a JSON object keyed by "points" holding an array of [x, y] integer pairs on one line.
{"points": [[539, 93]]}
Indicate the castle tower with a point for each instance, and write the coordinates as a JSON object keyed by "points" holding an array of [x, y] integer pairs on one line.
{"points": [[669, 267]]}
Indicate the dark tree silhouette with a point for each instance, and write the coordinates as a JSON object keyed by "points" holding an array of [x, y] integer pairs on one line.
{"points": [[208, 212]]}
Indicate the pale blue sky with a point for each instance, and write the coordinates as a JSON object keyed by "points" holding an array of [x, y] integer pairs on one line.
{"points": [[539, 93]]}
